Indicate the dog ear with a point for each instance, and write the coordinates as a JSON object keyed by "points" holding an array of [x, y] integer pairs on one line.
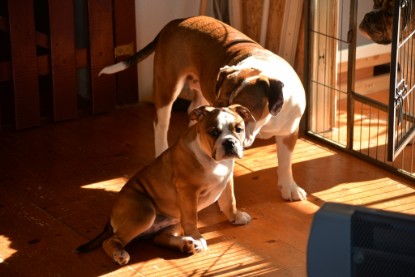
{"points": [[275, 96], [221, 89], [249, 120], [230, 78], [199, 113]]}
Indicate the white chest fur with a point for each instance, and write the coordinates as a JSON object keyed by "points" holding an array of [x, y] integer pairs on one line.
{"points": [[214, 183], [221, 170]]}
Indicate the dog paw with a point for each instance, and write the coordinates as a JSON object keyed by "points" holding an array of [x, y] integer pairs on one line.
{"points": [[192, 246], [293, 192], [121, 257], [241, 218]]}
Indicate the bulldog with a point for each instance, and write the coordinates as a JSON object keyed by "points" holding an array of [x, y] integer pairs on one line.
{"points": [[222, 67], [378, 23], [165, 197]]}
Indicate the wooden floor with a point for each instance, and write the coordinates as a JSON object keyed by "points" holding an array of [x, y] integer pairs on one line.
{"points": [[57, 184]]}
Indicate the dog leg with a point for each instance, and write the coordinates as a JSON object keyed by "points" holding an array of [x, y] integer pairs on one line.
{"points": [[114, 247], [193, 241], [227, 205], [132, 215], [161, 129], [198, 98], [165, 93], [289, 189], [172, 237]]}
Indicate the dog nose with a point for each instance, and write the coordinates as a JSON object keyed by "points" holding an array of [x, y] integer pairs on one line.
{"points": [[232, 148], [229, 145]]}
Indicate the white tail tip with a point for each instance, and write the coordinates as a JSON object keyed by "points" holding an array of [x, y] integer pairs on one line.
{"points": [[113, 68]]}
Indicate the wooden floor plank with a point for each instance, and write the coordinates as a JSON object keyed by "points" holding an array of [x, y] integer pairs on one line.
{"points": [[58, 183]]}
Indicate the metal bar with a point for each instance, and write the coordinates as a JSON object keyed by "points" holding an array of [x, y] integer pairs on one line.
{"points": [[307, 64], [351, 37], [370, 102], [326, 35], [393, 76]]}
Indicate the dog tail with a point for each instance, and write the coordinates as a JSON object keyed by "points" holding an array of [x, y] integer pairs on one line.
{"points": [[96, 242], [134, 59]]}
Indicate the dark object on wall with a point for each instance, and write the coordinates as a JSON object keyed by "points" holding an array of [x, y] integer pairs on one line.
{"points": [[349, 240]]}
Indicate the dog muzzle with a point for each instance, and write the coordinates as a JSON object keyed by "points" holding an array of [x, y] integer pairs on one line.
{"points": [[230, 148]]}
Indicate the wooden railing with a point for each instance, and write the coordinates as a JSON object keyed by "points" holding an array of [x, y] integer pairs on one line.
{"points": [[51, 52]]}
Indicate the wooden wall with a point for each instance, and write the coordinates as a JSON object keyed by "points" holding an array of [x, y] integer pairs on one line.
{"points": [[251, 23]]}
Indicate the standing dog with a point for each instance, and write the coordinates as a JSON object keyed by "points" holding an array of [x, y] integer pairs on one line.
{"points": [[223, 66], [189, 176]]}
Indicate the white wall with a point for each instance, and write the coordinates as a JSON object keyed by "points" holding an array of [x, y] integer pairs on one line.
{"points": [[363, 7], [151, 16]]}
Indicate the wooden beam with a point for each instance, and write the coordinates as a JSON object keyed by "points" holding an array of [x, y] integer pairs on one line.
{"points": [[101, 54], [290, 30], [24, 63], [124, 19], [369, 85], [63, 59]]}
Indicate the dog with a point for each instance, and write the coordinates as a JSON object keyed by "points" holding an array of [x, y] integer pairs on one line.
{"points": [[377, 24], [222, 66], [165, 196]]}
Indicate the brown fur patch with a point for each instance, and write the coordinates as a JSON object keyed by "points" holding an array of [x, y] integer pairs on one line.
{"points": [[291, 140], [228, 82]]}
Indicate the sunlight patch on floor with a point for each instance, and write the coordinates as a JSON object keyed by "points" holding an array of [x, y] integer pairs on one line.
{"points": [[111, 185], [303, 151], [252, 160], [226, 258], [383, 193], [306, 151], [5, 250]]}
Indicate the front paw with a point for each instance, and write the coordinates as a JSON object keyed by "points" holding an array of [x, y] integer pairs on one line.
{"points": [[121, 257], [241, 218], [192, 246], [292, 192]]}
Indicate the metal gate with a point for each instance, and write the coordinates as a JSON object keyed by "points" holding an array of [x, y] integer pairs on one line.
{"points": [[401, 101], [360, 93]]}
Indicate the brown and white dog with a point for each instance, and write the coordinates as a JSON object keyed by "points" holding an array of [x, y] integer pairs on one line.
{"points": [[166, 195], [223, 66]]}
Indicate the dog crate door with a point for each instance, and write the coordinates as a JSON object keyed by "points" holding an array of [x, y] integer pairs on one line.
{"points": [[401, 129]]}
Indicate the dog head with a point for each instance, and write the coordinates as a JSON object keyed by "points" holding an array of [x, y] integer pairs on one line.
{"points": [[377, 24], [262, 95], [247, 87], [222, 131]]}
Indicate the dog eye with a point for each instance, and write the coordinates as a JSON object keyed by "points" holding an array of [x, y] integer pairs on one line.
{"points": [[214, 133], [239, 129]]}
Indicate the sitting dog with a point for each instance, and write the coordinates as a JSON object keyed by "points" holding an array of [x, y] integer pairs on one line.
{"points": [[165, 196], [222, 67]]}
